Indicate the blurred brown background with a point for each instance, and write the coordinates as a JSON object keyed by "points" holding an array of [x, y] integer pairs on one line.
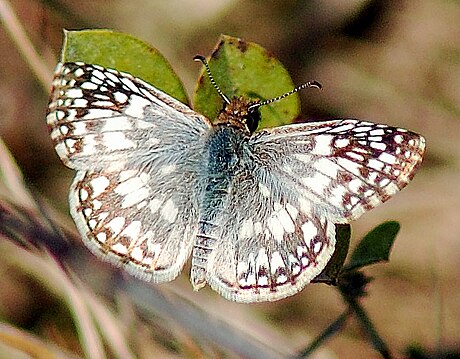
{"points": [[391, 62]]}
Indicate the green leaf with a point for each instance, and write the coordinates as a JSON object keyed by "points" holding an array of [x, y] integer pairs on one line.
{"points": [[375, 246], [333, 268], [245, 68], [124, 53]]}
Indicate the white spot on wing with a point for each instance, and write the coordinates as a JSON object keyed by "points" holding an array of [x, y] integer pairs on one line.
{"points": [[132, 230], [399, 138], [88, 85], [326, 166], [124, 175], [276, 228], [262, 257], [293, 212], [137, 254], [336, 196], [377, 132], [116, 225], [101, 237], [317, 183], [80, 102], [246, 229], [97, 113], [375, 164], [342, 142], [78, 72], [317, 247], [378, 146], [135, 196], [120, 123], [354, 185], [129, 185], [276, 262], [83, 194], [136, 106], [129, 84], [99, 185], [305, 205], [117, 141], [112, 77], [309, 231], [169, 211], [74, 93], [343, 128], [349, 165], [322, 145], [387, 158], [286, 221], [120, 97]]}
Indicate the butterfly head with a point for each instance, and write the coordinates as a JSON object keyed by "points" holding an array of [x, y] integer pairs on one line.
{"points": [[238, 111]]}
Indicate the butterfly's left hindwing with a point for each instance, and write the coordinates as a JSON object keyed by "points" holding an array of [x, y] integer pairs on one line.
{"points": [[271, 251]]}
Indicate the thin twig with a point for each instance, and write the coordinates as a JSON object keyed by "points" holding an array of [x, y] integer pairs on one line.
{"points": [[22, 42], [332, 329], [363, 319]]}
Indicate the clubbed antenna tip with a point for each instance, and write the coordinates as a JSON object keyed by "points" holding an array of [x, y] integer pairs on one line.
{"points": [[309, 84], [202, 59]]}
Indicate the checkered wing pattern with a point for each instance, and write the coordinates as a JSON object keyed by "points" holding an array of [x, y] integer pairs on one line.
{"points": [[156, 182], [278, 228], [134, 198]]}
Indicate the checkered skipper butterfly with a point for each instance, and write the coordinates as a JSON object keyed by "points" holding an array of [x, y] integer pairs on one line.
{"points": [[157, 183]]}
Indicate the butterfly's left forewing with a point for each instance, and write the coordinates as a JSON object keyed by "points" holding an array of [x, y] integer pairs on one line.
{"points": [[102, 118]]}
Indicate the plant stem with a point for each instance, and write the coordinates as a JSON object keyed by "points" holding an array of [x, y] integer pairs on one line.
{"points": [[363, 319], [333, 328], [19, 37]]}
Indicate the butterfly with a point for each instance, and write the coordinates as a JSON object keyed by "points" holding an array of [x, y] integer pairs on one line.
{"points": [[157, 183]]}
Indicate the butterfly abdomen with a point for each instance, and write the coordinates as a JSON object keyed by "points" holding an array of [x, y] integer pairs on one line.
{"points": [[224, 155]]}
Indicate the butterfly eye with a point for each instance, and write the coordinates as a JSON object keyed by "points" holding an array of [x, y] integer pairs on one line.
{"points": [[252, 120]]}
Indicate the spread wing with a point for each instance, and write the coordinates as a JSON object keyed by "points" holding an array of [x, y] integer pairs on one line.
{"points": [[136, 151], [297, 181]]}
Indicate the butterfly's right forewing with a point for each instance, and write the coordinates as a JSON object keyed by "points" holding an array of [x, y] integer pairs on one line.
{"points": [[343, 167]]}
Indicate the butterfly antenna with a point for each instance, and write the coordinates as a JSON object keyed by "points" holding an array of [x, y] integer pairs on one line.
{"points": [[208, 71], [308, 84]]}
